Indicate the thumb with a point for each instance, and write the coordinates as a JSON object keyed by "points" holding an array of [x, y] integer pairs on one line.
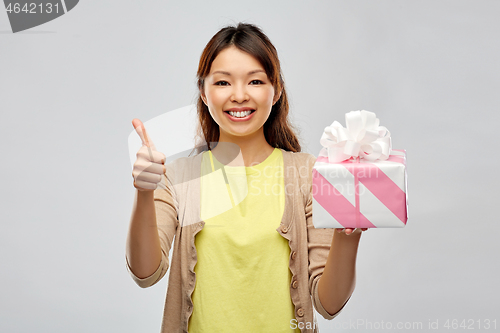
{"points": [[141, 131]]}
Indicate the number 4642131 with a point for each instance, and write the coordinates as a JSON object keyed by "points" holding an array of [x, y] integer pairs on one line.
{"points": [[471, 324], [32, 8]]}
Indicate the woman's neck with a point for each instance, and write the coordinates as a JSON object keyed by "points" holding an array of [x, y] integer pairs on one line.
{"points": [[239, 151]]}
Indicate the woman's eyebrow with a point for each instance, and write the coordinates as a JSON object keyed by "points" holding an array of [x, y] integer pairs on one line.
{"points": [[249, 73]]}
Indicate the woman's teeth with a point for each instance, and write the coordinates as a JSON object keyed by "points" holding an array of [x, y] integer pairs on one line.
{"points": [[239, 114]]}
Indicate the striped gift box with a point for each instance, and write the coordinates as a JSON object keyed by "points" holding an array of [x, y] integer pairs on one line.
{"points": [[357, 193]]}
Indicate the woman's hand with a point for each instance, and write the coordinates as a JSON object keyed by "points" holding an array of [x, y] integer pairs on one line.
{"points": [[150, 164], [350, 231]]}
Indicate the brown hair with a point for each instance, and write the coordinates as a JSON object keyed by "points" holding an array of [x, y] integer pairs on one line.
{"points": [[278, 130]]}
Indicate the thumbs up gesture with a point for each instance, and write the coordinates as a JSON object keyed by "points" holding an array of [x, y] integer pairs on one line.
{"points": [[150, 164]]}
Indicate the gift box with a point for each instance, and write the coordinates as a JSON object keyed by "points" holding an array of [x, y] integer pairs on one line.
{"points": [[358, 180]]}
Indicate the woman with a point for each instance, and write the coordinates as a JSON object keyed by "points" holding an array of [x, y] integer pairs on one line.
{"points": [[247, 257]]}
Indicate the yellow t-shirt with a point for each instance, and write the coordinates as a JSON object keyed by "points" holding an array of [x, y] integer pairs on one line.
{"points": [[242, 274]]}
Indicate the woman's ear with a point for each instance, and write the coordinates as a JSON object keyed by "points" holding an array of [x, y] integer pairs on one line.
{"points": [[203, 97], [277, 97]]}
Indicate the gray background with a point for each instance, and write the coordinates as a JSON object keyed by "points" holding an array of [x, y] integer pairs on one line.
{"points": [[70, 88]]}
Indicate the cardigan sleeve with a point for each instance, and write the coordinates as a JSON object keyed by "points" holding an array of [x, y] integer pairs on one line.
{"points": [[167, 223], [318, 243]]}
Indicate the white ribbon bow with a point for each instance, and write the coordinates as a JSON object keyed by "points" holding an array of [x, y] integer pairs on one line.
{"points": [[363, 137]]}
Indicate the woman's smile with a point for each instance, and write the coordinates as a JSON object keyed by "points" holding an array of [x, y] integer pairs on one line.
{"points": [[240, 115]]}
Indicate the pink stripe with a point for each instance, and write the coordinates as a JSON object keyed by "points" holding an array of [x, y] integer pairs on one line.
{"points": [[392, 158], [336, 204], [398, 158], [382, 187], [356, 195]]}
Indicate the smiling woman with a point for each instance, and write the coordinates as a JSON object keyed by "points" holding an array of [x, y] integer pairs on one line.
{"points": [[244, 260], [239, 71]]}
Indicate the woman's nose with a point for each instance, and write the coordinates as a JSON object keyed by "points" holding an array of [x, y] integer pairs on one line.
{"points": [[239, 94]]}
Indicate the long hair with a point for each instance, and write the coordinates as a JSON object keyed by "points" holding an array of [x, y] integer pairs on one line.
{"points": [[278, 130]]}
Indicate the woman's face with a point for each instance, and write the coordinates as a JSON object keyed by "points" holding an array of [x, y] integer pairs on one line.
{"points": [[237, 81]]}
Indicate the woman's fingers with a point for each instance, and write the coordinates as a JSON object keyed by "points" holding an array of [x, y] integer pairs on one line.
{"points": [[150, 155], [349, 231], [143, 134], [151, 173], [140, 129], [150, 164]]}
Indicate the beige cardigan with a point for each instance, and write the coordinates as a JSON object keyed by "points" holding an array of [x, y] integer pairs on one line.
{"points": [[178, 213]]}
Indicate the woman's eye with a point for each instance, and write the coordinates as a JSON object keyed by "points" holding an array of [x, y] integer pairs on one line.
{"points": [[257, 82], [221, 83]]}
